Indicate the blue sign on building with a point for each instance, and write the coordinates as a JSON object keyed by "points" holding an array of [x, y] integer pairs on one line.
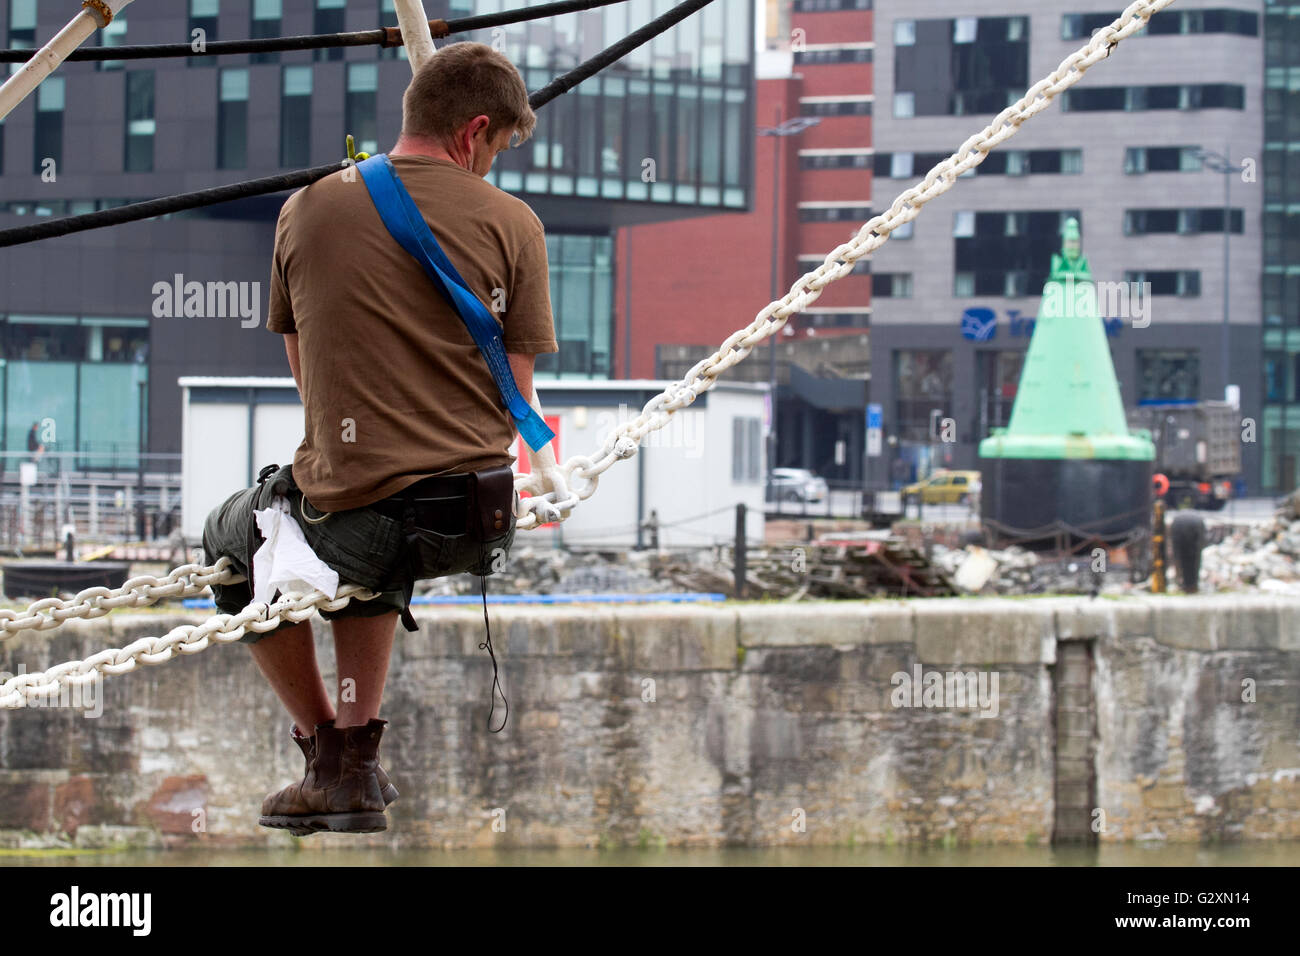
{"points": [[979, 325]]}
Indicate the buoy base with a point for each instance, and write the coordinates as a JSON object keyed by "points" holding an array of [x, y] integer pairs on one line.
{"points": [[1027, 500]]}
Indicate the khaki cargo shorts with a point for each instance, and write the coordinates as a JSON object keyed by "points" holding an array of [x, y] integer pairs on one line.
{"points": [[365, 548]]}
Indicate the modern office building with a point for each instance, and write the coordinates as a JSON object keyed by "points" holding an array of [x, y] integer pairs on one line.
{"points": [[953, 306], [89, 345], [1280, 438], [692, 283]]}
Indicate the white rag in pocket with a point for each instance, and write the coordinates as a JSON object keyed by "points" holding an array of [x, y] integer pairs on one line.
{"points": [[285, 561]]}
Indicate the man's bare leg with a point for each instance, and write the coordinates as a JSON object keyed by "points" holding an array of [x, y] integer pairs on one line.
{"points": [[362, 647], [287, 659]]}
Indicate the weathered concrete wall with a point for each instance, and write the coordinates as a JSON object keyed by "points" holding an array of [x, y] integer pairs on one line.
{"points": [[708, 725]]}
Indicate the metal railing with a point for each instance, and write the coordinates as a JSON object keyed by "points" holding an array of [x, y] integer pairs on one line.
{"points": [[43, 497]]}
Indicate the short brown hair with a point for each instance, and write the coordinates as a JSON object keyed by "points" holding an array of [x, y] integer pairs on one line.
{"points": [[461, 81]]}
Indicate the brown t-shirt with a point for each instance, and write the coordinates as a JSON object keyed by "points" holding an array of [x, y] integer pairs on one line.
{"points": [[393, 387]]}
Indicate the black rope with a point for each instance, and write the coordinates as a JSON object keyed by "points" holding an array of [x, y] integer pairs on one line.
{"points": [[383, 37], [487, 645], [133, 212]]}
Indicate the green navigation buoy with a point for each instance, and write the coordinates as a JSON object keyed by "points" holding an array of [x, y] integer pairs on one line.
{"points": [[1067, 454]]}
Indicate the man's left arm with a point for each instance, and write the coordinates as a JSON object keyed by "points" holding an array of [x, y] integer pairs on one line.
{"points": [[520, 364], [291, 352], [279, 310]]}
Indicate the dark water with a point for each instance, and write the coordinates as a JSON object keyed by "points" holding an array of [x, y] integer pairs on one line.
{"points": [[325, 854]]}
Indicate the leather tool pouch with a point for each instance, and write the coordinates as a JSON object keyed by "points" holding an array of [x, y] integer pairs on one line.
{"points": [[473, 547], [493, 493]]}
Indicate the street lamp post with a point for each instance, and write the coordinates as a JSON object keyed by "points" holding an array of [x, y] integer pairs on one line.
{"points": [[1220, 163], [790, 127]]}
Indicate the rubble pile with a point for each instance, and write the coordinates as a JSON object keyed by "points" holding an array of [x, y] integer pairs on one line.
{"points": [[1264, 556], [1015, 570], [883, 567], [551, 571], [856, 570]]}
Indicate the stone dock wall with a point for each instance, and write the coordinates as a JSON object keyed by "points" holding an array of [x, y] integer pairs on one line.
{"points": [[1157, 718]]}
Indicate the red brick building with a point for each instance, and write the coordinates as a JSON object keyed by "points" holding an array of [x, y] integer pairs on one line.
{"points": [[682, 287]]}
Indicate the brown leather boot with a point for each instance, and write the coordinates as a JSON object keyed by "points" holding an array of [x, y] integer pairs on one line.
{"points": [[339, 791], [308, 744]]}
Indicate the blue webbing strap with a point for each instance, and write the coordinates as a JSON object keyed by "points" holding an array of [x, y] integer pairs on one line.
{"points": [[406, 224]]}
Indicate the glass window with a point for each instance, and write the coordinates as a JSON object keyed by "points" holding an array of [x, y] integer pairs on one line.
{"points": [[1072, 161], [733, 122], [232, 120], [42, 338], [48, 139], [22, 27], [963, 29], [900, 165], [737, 43], [295, 116], [49, 95], [22, 14], [963, 223], [36, 391], [904, 105], [710, 145], [739, 440], [361, 110], [266, 23], [891, 285], [203, 17], [116, 339], [113, 35], [963, 284], [923, 384], [904, 33], [140, 123], [329, 18], [1275, 367], [108, 413], [1168, 374], [581, 281]]}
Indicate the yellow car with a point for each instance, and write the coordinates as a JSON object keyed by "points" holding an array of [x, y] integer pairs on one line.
{"points": [[945, 488]]}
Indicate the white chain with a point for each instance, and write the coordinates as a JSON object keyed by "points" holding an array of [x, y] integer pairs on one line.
{"points": [[624, 441], [621, 443], [258, 617]]}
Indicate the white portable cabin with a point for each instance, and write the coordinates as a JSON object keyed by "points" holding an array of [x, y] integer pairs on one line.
{"points": [[690, 475]]}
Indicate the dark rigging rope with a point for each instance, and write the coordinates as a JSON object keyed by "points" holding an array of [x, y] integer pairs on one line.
{"points": [[150, 208], [383, 37]]}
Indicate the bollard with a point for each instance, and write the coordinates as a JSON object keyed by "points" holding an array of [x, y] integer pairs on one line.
{"points": [[740, 552], [1158, 548], [1187, 538]]}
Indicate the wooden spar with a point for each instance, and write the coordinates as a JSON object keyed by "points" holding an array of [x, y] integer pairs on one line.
{"points": [[415, 31], [47, 58]]}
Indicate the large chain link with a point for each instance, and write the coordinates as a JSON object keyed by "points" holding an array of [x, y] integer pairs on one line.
{"points": [[581, 473], [624, 441], [259, 618]]}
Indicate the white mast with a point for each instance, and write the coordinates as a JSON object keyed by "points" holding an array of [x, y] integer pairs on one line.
{"points": [[95, 14], [415, 31]]}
